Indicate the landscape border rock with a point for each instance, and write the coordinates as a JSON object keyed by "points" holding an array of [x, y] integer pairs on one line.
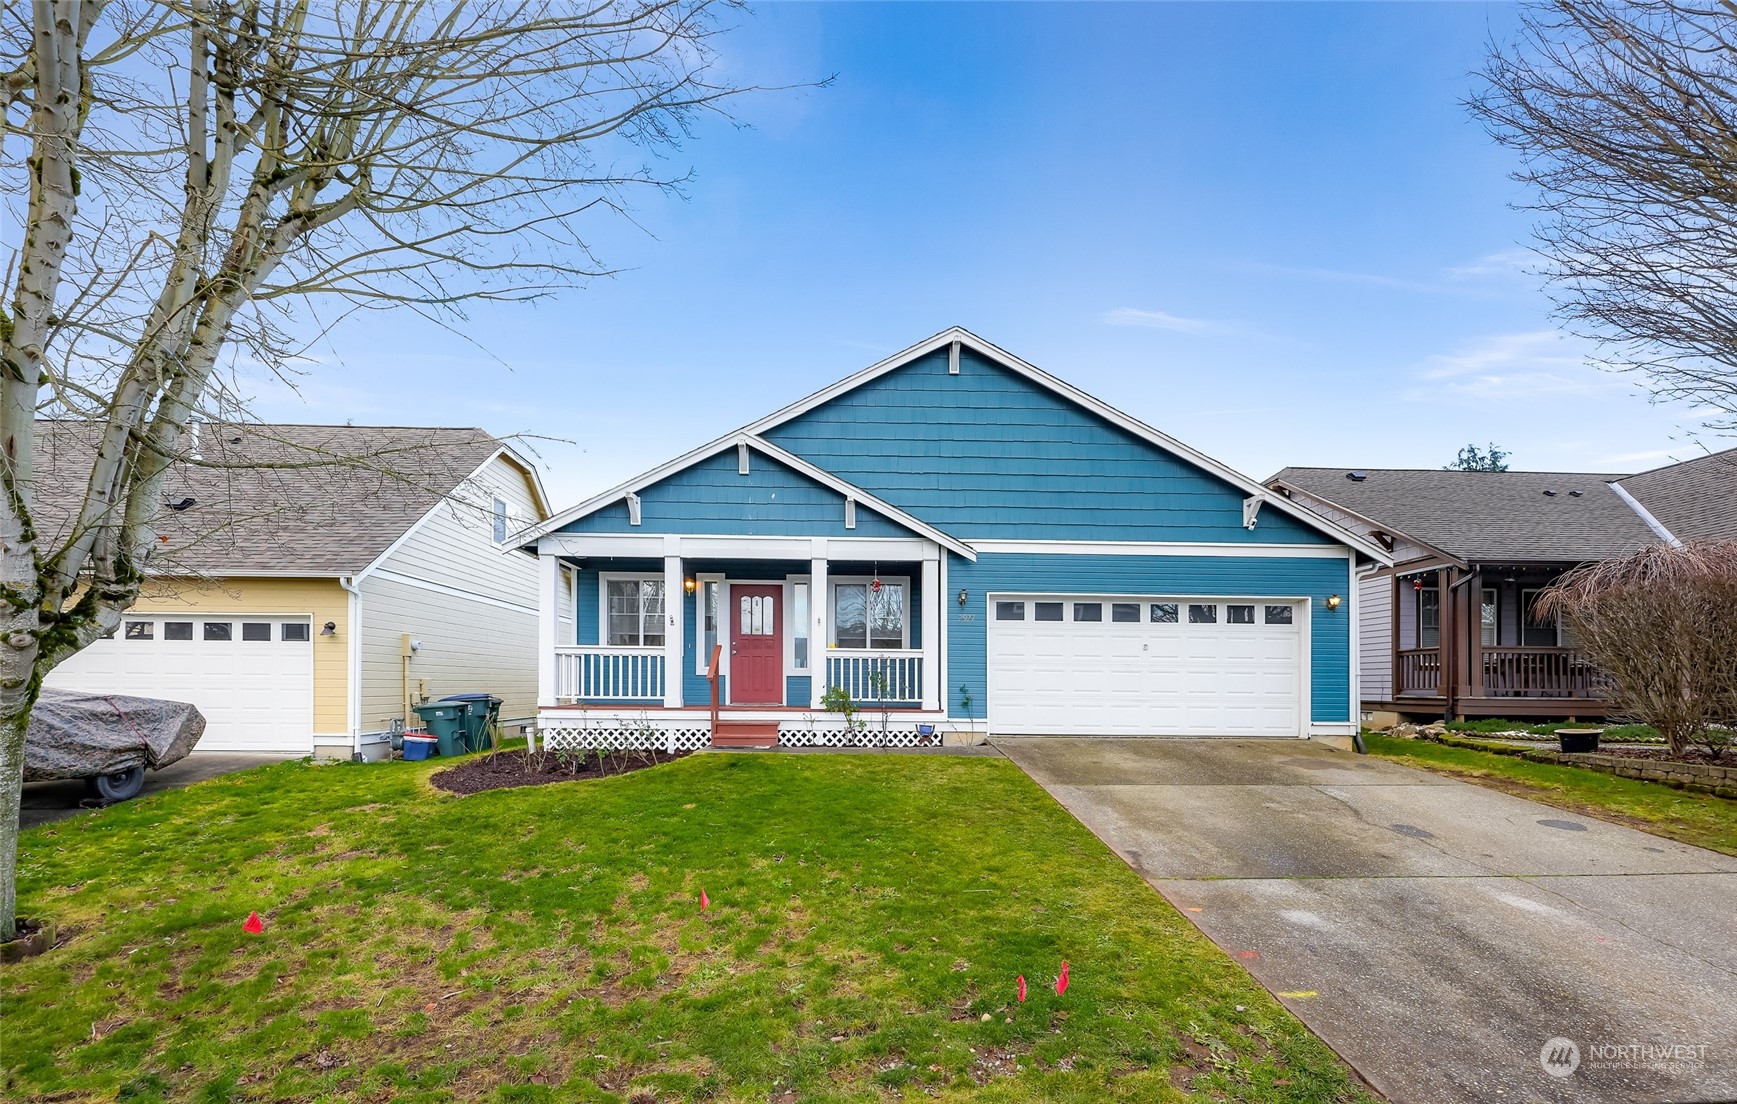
{"points": [[1720, 781]]}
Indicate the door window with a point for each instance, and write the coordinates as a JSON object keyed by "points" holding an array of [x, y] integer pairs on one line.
{"points": [[757, 616]]}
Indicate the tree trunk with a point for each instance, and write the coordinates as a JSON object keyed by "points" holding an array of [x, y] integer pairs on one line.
{"points": [[12, 730]]}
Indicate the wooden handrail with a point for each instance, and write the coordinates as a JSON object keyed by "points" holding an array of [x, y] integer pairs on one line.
{"points": [[712, 677]]}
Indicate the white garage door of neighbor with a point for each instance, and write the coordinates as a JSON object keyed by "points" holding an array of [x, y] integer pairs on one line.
{"points": [[1093, 665], [252, 676]]}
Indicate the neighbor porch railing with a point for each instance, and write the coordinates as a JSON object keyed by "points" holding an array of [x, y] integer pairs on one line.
{"points": [[1542, 673], [593, 672], [893, 676], [1419, 671]]}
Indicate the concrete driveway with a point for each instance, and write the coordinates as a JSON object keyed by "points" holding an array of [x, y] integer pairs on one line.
{"points": [[1436, 934], [50, 801]]}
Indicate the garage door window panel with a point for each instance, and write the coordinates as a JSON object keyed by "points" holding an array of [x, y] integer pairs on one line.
{"points": [[141, 630], [1088, 611], [1125, 611], [1046, 611], [1239, 615], [219, 630], [1010, 611], [255, 630], [295, 631], [1202, 614], [1164, 613], [177, 630], [1279, 615]]}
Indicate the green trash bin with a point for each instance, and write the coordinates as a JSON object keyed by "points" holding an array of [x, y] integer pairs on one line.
{"points": [[445, 721], [482, 713]]}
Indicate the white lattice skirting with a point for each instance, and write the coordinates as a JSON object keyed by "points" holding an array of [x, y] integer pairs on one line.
{"points": [[654, 737]]}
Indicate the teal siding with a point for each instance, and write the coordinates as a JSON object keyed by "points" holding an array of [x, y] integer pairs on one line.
{"points": [[797, 689], [713, 497], [1253, 576], [989, 454]]}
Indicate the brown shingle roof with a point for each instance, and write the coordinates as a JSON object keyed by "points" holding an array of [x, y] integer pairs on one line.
{"points": [[276, 499], [1696, 498], [1486, 516]]}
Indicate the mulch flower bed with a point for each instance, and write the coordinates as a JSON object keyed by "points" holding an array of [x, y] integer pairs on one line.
{"points": [[518, 768]]}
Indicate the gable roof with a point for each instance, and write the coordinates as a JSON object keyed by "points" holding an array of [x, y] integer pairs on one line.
{"points": [[1485, 516], [1696, 498], [766, 448], [319, 500], [963, 337]]}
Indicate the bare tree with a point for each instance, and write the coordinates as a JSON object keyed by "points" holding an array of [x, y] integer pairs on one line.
{"points": [[1625, 117], [186, 175], [1659, 622]]}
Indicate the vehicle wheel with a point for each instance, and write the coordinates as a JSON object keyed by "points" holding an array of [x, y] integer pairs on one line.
{"points": [[120, 786]]}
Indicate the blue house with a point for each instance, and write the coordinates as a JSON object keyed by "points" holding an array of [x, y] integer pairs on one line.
{"points": [[961, 543]]}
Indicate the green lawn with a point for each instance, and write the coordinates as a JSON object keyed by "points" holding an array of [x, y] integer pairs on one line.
{"points": [[1700, 819], [869, 915]]}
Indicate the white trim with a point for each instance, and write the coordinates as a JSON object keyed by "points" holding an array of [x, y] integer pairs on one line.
{"points": [[702, 658], [630, 490], [931, 631], [832, 585], [674, 636], [953, 359], [819, 613], [548, 595], [1161, 548], [1646, 515], [945, 631], [849, 512], [1251, 511], [353, 662], [791, 582], [452, 591], [717, 546], [742, 466], [1333, 728]]}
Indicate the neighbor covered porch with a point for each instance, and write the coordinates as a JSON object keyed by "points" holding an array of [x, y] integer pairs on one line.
{"points": [[646, 634], [1468, 642]]}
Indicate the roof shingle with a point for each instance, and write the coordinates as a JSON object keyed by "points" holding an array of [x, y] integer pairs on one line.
{"points": [[1696, 498]]}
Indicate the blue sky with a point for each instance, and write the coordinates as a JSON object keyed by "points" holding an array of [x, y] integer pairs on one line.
{"points": [[1269, 230]]}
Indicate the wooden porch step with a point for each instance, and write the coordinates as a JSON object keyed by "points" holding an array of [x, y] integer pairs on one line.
{"points": [[745, 734]]}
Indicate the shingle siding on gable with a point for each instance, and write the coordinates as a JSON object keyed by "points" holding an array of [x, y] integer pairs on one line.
{"points": [[990, 454], [713, 497]]}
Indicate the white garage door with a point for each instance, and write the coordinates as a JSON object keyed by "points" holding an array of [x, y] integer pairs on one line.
{"points": [[252, 676], [1096, 665]]}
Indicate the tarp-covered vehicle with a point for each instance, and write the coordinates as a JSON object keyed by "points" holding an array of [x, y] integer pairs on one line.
{"points": [[107, 739]]}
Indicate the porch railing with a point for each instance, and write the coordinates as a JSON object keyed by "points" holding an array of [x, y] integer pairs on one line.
{"points": [[611, 674], [1419, 671], [893, 676], [1542, 673]]}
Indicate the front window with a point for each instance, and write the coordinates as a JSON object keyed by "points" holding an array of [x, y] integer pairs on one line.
{"points": [[1536, 631], [869, 618], [635, 612], [498, 516], [709, 596], [1429, 618], [1487, 617]]}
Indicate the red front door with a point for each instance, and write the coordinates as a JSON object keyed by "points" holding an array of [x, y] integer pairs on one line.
{"points": [[756, 646]]}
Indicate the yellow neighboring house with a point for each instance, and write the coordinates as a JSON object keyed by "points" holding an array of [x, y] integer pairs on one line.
{"points": [[314, 582]]}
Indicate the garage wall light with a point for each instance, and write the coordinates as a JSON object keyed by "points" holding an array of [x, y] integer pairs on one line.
{"points": [[1333, 601], [961, 596], [330, 628]]}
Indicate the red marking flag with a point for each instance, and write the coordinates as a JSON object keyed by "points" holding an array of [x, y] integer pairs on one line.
{"points": [[705, 902], [1061, 981], [1021, 988], [253, 923]]}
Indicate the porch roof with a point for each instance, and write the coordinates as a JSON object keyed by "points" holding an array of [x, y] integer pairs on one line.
{"points": [[527, 540]]}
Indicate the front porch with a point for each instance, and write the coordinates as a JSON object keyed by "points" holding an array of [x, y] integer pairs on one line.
{"points": [[1467, 644], [814, 640]]}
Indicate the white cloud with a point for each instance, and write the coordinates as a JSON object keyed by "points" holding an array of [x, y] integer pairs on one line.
{"points": [[1516, 366], [1502, 264], [1161, 320]]}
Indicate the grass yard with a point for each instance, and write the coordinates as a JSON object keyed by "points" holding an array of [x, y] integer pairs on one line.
{"points": [[868, 917], [1700, 819]]}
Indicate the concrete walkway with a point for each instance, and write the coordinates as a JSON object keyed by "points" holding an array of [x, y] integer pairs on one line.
{"points": [[1436, 934], [50, 801]]}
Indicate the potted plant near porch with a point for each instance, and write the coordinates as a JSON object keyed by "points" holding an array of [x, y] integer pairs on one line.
{"points": [[1578, 739]]}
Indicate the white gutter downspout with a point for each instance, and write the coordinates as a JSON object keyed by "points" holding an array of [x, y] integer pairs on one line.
{"points": [[354, 628], [1646, 515], [1358, 576]]}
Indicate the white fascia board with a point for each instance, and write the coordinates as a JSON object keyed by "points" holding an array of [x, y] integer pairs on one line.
{"points": [[1073, 394], [988, 546], [692, 546]]}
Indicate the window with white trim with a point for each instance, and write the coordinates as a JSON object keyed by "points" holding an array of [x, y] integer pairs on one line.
{"points": [[499, 518], [1429, 618], [634, 613], [864, 617], [1488, 616], [711, 594]]}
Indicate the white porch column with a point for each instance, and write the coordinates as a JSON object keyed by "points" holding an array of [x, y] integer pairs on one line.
{"points": [[819, 611], [932, 628], [674, 599], [548, 588]]}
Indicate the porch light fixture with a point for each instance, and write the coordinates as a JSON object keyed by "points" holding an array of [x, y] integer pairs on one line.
{"points": [[961, 595], [688, 584], [1333, 601], [330, 628]]}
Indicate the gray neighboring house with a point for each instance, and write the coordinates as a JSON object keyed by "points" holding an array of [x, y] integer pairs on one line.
{"points": [[1449, 629]]}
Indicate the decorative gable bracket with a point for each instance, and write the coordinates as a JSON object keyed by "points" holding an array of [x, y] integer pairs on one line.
{"points": [[1251, 510]]}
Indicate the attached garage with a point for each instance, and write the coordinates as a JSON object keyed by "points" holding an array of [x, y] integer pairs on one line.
{"points": [[252, 676], [1118, 665]]}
